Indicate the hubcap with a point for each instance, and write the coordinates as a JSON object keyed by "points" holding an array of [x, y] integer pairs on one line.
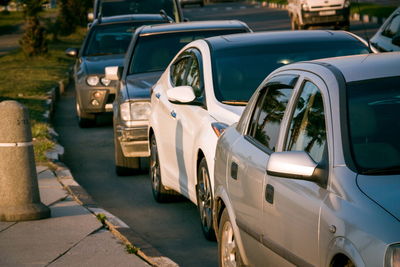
{"points": [[154, 166], [228, 246], [205, 199]]}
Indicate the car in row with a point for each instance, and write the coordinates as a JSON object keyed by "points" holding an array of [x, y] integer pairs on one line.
{"points": [[387, 38], [309, 176], [105, 44], [150, 51], [205, 88]]}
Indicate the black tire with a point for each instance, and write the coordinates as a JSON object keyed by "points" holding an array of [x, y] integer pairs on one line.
{"points": [[205, 200], [228, 253], [85, 120], [124, 166], [160, 194]]}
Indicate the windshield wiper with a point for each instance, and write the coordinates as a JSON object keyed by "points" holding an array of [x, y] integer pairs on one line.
{"points": [[383, 171], [235, 102]]}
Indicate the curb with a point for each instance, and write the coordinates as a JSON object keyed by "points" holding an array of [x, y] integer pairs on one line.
{"points": [[64, 176], [354, 17]]}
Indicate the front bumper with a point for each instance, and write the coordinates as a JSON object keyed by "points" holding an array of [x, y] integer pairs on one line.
{"points": [[134, 140], [96, 100], [338, 16]]}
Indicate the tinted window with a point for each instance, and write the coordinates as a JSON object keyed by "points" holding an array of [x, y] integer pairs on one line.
{"points": [[393, 27], [122, 7], [178, 77], [374, 123], [270, 108], [154, 52], [238, 71], [110, 39], [193, 77], [307, 130]]}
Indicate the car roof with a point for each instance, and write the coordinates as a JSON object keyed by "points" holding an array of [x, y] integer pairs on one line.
{"points": [[192, 26], [365, 67], [129, 18], [278, 37]]}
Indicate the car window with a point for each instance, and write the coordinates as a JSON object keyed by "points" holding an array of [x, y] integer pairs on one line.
{"points": [[193, 78], [267, 116], [307, 130], [393, 27], [178, 71], [123, 7], [153, 52]]}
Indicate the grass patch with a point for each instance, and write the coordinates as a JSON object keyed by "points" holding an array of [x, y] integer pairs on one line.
{"points": [[10, 23], [27, 80], [372, 9]]}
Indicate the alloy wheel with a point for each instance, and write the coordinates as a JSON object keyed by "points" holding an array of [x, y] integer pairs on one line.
{"points": [[228, 246]]}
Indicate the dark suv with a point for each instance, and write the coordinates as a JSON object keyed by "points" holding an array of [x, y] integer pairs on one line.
{"points": [[122, 7]]}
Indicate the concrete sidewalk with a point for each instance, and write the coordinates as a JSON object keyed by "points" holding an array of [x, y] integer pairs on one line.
{"points": [[72, 236]]}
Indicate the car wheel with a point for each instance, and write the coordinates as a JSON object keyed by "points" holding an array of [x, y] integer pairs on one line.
{"points": [[85, 120], [124, 165], [160, 194], [228, 253], [205, 200]]}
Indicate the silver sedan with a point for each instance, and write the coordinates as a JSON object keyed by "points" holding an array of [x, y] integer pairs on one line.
{"points": [[310, 175]]}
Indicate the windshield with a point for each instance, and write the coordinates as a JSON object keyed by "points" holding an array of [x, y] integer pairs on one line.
{"points": [[154, 52], [373, 113], [238, 71], [123, 7], [111, 39]]}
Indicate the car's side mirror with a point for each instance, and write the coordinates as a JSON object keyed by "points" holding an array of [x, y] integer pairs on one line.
{"points": [[113, 73], [292, 164], [72, 52], [396, 39], [181, 95]]}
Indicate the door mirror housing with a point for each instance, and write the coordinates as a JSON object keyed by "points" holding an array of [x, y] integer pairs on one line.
{"points": [[396, 39], [292, 164], [181, 95], [72, 52], [113, 73]]}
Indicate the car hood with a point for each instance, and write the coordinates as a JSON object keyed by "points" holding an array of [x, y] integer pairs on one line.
{"points": [[96, 64], [138, 85], [384, 190], [226, 113]]}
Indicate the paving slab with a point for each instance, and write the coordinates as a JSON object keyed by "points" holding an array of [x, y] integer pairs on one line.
{"points": [[5, 225], [50, 189], [99, 249], [41, 242]]}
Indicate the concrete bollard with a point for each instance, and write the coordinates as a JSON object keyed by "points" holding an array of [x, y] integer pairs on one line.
{"points": [[19, 191]]}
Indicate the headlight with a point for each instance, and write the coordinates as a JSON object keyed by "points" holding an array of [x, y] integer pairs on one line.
{"points": [[135, 111], [305, 7], [92, 80], [105, 82], [346, 3], [392, 258]]}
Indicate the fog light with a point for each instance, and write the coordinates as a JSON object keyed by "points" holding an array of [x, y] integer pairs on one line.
{"points": [[97, 94], [95, 102]]}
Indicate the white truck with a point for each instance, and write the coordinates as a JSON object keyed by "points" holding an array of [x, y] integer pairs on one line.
{"points": [[306, 13]]}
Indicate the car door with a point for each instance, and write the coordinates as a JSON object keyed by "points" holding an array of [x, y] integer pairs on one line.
{"points": [[167, 122], [291, 207], [247, 163], [190, 119]]}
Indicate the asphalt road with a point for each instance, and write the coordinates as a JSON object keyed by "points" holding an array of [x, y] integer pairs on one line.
{"points": [[173, 228]]}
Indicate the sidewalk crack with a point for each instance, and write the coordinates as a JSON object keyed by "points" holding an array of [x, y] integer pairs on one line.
{"points": [[8, 227]]}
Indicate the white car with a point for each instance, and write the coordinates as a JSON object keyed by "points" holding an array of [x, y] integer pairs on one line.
{"points": [[387, 38], [205, 88]]}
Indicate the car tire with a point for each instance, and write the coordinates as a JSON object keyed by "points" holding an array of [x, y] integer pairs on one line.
{"points": [[123, 165], [160, 193], [85, 120], [228, 252], [205, 200]]}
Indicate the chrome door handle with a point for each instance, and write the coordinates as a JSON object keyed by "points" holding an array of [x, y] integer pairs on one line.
{"points": [[158, 95], [173, 114]]}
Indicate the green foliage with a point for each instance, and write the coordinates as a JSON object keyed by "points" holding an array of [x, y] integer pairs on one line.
{"points": [[131, 249], [10, 22], [73, 13], [372, 9], [102, 218]]}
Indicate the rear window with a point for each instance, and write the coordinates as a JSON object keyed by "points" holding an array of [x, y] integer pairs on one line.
{"points": [[374, 125], [238, 71], [154, 52], [123, 7]]}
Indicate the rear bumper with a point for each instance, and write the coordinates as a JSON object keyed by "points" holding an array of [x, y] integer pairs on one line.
{"points": [[134, 140], [340, 16]]}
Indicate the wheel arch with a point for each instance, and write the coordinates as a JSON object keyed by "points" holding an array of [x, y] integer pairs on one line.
{"points": [[340, 249]]}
